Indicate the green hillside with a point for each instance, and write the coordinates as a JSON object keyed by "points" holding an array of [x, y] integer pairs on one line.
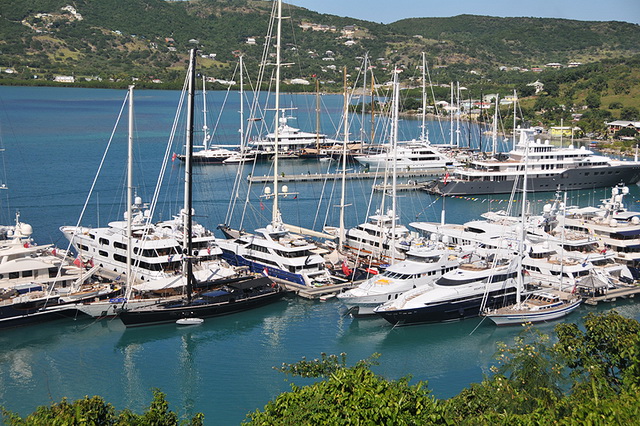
{"points": [[116, 40]]}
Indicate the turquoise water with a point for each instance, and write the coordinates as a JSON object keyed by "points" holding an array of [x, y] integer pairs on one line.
{"points": [[54, 139]]}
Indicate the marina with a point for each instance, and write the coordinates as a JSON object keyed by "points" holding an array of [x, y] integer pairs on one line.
{"points": [[58, 359]]}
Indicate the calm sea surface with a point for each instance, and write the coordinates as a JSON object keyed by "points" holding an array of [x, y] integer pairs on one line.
{"points": [[54, 139]]}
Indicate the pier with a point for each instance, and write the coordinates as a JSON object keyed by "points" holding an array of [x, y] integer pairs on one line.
{"points": [[311, 177], [308, 292], [612, 295]]}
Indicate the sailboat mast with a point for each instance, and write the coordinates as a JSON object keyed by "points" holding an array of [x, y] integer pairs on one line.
{"points": [[451, 117], [276, 135], [520, 285], [188, 175], [494, 146], [241, 106], [364, 89], [373, 112], [394, 147], [423, 133], [344, 158], [205, 129], [458, 114], [129, 194], [318, 116], [515, 110]]}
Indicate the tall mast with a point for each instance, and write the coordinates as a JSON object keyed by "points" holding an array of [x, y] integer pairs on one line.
{"points": [[394, 147], [373, 112], [520, 285], [205, 129], [129, 194], [515, 110], [188, 174], [317, 116], [451, 117], [241, 106], [424, 133], [458, 114], [364, 91], [341, 237], [275, 214], [494, 146]]}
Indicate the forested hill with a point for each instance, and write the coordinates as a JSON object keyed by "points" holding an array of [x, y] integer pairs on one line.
{"points": [[149, 39], [524, 41]]}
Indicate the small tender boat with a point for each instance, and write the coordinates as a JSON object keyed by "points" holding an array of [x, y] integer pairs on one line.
{"points": [[189, 321]]}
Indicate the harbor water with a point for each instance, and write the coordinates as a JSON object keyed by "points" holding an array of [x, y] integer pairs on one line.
{"points": [[54, 139]]}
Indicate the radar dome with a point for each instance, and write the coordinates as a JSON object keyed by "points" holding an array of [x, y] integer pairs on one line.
{"points": [[25, 229]]}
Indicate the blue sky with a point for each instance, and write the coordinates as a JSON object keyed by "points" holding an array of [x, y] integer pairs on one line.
{"points": [[387, 11]]}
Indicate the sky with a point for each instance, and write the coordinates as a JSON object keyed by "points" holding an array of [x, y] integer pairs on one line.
{"points": [[386, 11]]}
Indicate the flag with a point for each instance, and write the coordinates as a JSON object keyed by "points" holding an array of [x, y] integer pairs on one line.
{"points": [[345, 268], [174, 156], [54, 252], [265, 272], [78, 262], [261, 206], [446, 176]]}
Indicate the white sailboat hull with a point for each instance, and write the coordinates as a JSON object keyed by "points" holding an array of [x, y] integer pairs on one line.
{"points": [[517, 317]]}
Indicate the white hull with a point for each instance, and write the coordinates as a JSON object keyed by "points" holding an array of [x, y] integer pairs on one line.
{"points": [[525, 316], [111, 308]]}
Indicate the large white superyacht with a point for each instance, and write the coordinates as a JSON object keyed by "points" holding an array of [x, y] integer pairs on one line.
{"points": [[550, 168]]}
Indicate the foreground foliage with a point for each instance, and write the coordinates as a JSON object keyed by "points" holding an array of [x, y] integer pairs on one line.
{"points": [[95, 411], [589, 375], [581, 375]]}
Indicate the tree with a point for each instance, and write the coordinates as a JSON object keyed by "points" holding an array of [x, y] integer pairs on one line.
{"points": [[630, 113], [593, 100], [95, 411], [600, 355], [348, 395], [600, 362]]}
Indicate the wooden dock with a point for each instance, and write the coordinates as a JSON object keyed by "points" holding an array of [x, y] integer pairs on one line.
{"points": [[308, 292], [612, 295], [311, 177], [409, 186]]}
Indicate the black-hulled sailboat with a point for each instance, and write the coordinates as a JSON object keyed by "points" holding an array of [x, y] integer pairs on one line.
{"points": [[229, 297]]}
